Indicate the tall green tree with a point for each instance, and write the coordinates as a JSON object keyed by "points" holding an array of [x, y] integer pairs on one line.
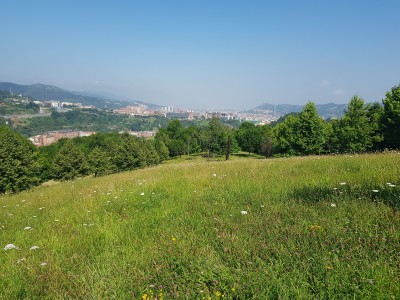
{"points": [[356, 130], [99, 162], [391, 118], [19, 163], [70, 162], [301, 134], [255, 139], [311, 131], [286, 136], [217, 137]]}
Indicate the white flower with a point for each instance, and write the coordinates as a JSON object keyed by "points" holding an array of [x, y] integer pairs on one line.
{"points": [[141, 194], [262, 206], [244, 212], [335, 189], [10, 246], [333, 204], [388, 183], [392, 185], [43, 264], [41, 208], [21, 260], [375, 191], [214, 175], [343, 183], [27, 228], [34, 248]]}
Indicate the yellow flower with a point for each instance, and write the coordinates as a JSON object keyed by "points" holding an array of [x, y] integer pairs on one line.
{"points": [[315, 227], [174, 239], [329, 268]]}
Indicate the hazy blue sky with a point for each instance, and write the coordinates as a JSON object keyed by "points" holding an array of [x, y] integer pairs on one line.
{"points": [[205, 54]]}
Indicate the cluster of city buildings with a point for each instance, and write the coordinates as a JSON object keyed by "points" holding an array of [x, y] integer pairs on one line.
{"points": [[53, 136], [59, 105], [261, 118]]}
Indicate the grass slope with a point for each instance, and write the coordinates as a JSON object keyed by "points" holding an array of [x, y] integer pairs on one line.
{"points": [[177, 231]]}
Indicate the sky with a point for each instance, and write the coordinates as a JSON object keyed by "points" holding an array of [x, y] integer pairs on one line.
{"points": [[204, 54]]}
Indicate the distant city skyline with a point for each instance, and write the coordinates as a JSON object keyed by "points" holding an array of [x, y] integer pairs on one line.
{"points": [[205, 54]]}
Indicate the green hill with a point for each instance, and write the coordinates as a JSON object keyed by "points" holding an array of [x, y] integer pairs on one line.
{"points": [[294, 228], [48, 92]]}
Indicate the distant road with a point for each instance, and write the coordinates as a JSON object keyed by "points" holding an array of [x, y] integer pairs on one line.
{"points": [[26, 116]]}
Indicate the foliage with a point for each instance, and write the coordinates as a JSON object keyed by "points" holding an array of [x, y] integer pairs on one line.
{"points": [[87, 120], [255, 139], [358, 129], [303, 134], [11, 104], [19, 164], [391, 118], [69, 162]]}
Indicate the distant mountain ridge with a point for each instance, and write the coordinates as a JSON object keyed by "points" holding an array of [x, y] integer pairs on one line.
{"points": [[48, 92], [326, 111]]}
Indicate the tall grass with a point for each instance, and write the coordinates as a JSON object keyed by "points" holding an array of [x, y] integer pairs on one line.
{"points": [[294, 228]]}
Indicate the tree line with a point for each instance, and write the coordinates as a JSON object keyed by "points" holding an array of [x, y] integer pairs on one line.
{"points": [[363, 127]]}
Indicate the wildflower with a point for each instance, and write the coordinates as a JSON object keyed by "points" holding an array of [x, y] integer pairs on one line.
{"points": [[56, 220], [214, 175], [43, 264], [27, 228], [141, 194], [335, 189], [375, 191], [34, 248], [343, 183], [173, 239], [262, 206], [11, 246], [244, 212], [315, 227], [333, 204], [40, 208], [21, 260], [392, 185], [329, 268]]}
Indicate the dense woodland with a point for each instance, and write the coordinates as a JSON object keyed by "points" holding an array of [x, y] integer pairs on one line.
{"points": [[363, 127]]}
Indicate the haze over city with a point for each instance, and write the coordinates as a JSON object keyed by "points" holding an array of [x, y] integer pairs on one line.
{"points": [[205, 54]]}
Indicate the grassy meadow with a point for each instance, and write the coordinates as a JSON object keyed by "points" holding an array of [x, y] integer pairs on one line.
{"points": [[290, 228]]}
